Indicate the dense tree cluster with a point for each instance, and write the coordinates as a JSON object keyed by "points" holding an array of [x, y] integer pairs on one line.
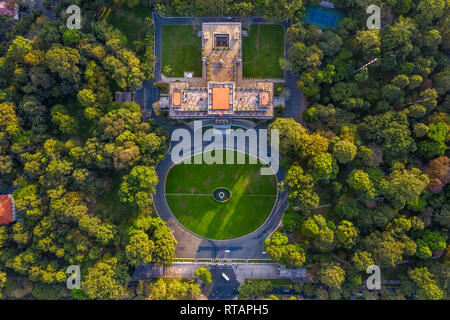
{"points": [[81, 165], [373, 149]]}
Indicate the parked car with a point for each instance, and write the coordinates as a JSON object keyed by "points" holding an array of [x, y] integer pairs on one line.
{"points": [[225, 276]]}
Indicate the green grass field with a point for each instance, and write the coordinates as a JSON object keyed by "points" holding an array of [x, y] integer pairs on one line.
{"points": [[262, 49], [189, 188], [181, 50]]}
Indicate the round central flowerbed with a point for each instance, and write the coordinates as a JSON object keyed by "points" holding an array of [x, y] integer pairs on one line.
{"points": [[242, 199]]}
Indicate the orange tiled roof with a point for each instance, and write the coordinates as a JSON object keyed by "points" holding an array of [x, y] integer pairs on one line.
{"points": [[6, 209], [221, 98], [265, 98], [177, 98]]}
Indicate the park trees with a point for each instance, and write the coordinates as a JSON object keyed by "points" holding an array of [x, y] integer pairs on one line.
{"points": [[330, 43], [277, 247], [301, 188], [332, 276], [140, 249], [254, 290], [344, 151], [281, 10], [289, 132], [105, 280], [438, 170], [323, 167], [391, 132], [304, 57], [426, 285], [2, 282], [204, 274], [386, 249], [403, 186], [64, 61], [173, 289], [346, 234], [360, 181], [362, 260], [137, 187], [319, 231]]}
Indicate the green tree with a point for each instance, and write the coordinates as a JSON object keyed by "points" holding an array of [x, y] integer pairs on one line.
{"points": [[426, 285], [323, 167], [301, 188], [2, 282], [140, 249], [304, 57], [346, 234], [403, 186], [362, 260], [64, 61], [332, 276], [360, 181], [204, 274], [254, 289], [344, 151]]}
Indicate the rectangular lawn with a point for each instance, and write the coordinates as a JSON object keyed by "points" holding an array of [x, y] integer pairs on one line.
{"points": [[181, 50], [262, 49]]}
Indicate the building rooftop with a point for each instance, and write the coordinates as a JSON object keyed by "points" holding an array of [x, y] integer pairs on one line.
{"points": [[221, 91], [221, 98]]}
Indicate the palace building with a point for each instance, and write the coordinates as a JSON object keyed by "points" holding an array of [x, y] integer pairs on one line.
{"points": [[221, 92]]}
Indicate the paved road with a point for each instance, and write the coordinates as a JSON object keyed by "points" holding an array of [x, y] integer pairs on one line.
{"points": [[221, 289]]}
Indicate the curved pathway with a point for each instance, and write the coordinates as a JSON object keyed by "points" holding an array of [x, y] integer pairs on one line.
{"points": [[191, 245]]}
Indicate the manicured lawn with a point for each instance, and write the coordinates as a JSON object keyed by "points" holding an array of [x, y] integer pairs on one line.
{"points": [[253, 197], [181, 50], [262, 49], [130, 21]]}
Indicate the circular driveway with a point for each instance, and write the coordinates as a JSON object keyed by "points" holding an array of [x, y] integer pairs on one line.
{"points": [[190, 245]]}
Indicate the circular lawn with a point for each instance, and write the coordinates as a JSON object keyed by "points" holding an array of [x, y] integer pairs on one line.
{"points": [[189, 193]]}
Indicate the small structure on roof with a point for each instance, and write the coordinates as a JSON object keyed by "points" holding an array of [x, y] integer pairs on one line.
{"points": [[7, 209], [124, 97]]}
